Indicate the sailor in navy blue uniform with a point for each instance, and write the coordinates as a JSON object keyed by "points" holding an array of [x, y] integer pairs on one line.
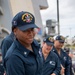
{"points": [[67, 50], [64, 59], [51, 63], [23, 57], [6, 43]]}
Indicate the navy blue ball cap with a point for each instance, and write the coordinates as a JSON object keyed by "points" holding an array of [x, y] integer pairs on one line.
{"points": [[24, 20], [49, 40], [60, 38]]}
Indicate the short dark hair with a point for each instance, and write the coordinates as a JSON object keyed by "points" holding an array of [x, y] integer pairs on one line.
{"points": [[13, 27]]}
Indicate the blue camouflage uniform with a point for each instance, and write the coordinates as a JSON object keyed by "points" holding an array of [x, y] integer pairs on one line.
{"points": [[51, 64], [21, 61], [64, 59]]}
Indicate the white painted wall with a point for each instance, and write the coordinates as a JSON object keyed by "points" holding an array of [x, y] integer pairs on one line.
{"points": [[5, 19]]}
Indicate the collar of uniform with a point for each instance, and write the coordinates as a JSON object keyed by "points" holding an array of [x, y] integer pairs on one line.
{"points": [[53, 49], [12, 36], [35, 42], [12, 33], [49, 56], [23, 50], [35, 47]]}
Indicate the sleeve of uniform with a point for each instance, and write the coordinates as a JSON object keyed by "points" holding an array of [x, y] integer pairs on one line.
{"points": [[67, 70], [4, 47], [14, 66], [58, 67]]}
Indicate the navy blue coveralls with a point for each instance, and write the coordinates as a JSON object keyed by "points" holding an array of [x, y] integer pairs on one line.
{"points": [[51, 64], [21, 61], [64, 59]]}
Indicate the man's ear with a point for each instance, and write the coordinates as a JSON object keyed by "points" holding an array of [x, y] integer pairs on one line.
{"points": [[15, 30]]}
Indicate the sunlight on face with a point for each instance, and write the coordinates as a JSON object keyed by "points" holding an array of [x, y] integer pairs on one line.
{"points": [[58, 44], [47, 48]]}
